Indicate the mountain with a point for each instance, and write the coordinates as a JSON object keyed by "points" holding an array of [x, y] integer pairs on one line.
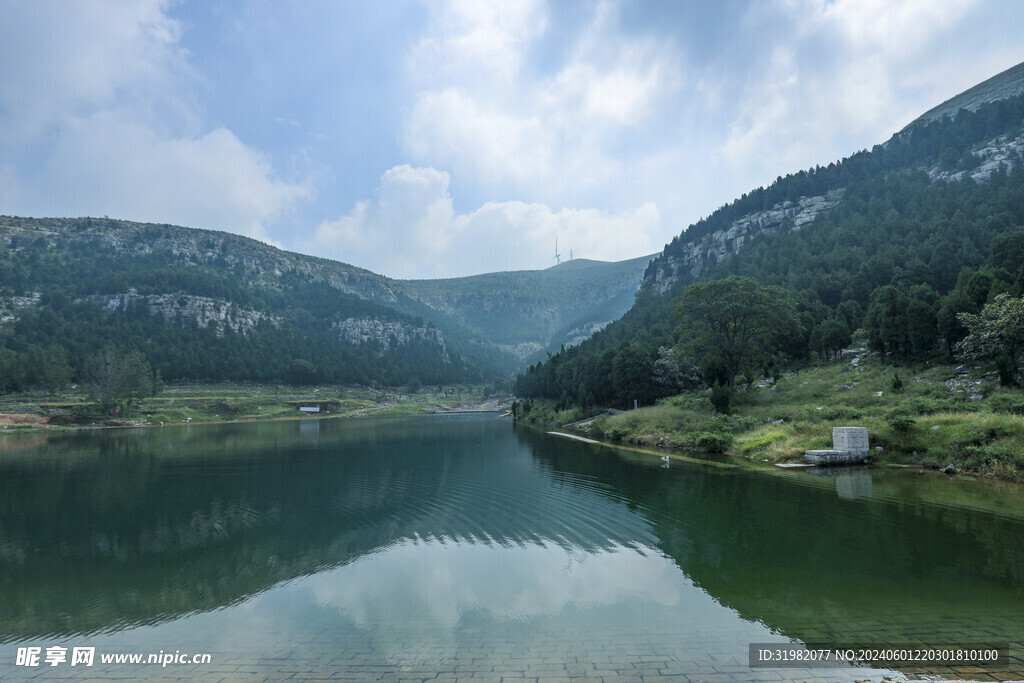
{"points": [[794, 202], [212, 305], [526, 312], [896, 240]]}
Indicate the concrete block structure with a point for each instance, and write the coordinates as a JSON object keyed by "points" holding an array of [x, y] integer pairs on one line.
{"points": [[850, 439], [849, 445]]}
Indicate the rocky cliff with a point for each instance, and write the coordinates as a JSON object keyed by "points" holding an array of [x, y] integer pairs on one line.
{"points": [[722, 244], [251, 262], [188, 309], [1003, 152], [388, 334]]}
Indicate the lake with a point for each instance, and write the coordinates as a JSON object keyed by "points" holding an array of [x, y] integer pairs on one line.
{"points": [[466, 547]]}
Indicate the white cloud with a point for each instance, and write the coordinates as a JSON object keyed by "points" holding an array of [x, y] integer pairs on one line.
{"points": [[828, 78], [105, 165], [400, 231], [71, 57], [410, 230], [482, 42], [439, 582], [100, 114], [458, 131], [619, 96], [506, 129]]}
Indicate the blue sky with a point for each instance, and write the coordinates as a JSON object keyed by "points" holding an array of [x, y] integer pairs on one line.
{"points": [[452, 137]]}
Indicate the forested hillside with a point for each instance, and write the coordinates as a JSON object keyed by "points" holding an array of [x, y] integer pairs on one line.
{"points": [[528, 312], [198, 311], [896, 241], [204, 305]]}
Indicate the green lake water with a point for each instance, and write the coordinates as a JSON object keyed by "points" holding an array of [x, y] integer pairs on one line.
{"points": [[466, 547]]}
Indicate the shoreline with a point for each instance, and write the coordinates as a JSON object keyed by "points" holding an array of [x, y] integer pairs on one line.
{"points": [[942, 418], [875, 460], [207, 404]]}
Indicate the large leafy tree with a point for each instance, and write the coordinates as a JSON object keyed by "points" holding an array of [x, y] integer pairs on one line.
{"points": [[735, 323], [997, 330]]}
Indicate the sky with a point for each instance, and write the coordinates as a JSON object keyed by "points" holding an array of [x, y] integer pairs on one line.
{"points": [[441, 138]]}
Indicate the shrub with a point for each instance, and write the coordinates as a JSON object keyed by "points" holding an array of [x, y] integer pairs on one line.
{"points": [[834, 412], [901, 422], [897, 383], [617, 432], [734, 423], [720, 398], [921, 406], [713, 442]]}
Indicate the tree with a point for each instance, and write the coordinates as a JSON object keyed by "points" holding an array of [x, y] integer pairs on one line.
{"points": [[116, 380], [830, 336], [12, 370], [673, 373], [139, 380], [949, 326], [301, 371], [48, 367], [997, 330], [736, 323], [902, 322], [1008, 251], [632, 374]]}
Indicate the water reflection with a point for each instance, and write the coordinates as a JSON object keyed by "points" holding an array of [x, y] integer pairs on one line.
{"points": [[851, 482], [787, 550], [309, 428], [432, 535], [201, 517]]}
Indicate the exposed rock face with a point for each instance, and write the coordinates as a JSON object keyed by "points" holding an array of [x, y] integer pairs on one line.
{"points": [[721, 245], [257, 263], [203, 310], [522, 350], [387, 333], [1002, 152], [11, 305], [579, 335]]}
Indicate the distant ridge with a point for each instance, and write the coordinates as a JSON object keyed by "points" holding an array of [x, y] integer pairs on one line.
{"points": [[580, 263], [1001, 86]]}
